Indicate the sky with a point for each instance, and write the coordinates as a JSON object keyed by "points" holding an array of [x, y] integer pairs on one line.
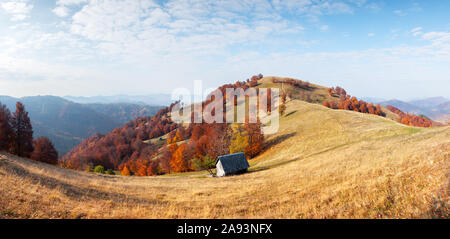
{"points": [[386, 49]]}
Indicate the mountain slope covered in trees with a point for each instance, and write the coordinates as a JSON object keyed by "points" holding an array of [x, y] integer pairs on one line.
{"points": [[154, 145], [322, 163], [139, 148], [67, 123]]}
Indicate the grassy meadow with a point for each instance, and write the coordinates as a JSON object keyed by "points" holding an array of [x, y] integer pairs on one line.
{"points": [[322, 163]]}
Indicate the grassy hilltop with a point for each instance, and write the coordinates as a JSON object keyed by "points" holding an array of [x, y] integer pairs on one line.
{"points": [[322, 163]]}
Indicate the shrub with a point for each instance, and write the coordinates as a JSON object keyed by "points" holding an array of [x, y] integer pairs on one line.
{"points": [[99, 169], [282, 109], [110, 172], [204, 163], [88, 168]]}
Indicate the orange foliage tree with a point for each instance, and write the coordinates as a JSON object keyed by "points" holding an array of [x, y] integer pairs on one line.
{"points": [[125, 171], [179, 162], [410, 119]]}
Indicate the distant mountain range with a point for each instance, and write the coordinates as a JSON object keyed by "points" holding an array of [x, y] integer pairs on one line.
{"points": [[436, 108], [67, 123], [69, 120], [152, 100]]}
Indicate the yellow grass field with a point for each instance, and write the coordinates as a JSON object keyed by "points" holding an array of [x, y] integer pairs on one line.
{"points": [[322, 163]]}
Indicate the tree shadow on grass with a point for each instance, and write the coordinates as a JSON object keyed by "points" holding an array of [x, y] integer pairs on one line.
{"points": [[440, 206], [272, 142], [269, 144], [257, 168], [73, 191], [290, 113], [262, 168]]}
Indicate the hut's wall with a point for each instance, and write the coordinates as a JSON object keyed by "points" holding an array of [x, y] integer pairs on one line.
{"points": [[220, 172]]}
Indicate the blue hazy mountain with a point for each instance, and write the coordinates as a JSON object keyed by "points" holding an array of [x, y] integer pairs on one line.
{"points": [[153, 100], [436, 108], [67, 123]]}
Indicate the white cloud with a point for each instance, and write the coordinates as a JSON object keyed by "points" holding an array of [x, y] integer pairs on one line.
{"points": [[177, 27], [61, 11], [400, 13], [417, 31], [440, 41], [324, 28], [70, 2], [359, 3], [439, 36], [18, 17], [375, 7], [97, 40], [315, 8], [334, 7], [18, 9], [404, 12], [371, 34], [157, 17]]}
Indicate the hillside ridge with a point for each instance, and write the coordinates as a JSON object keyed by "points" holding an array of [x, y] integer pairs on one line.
{"points": [[323, 163]]}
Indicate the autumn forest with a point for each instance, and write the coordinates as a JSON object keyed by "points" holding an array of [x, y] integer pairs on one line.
{"points": [[155, 145]]}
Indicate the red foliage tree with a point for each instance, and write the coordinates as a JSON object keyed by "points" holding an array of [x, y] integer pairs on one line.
{"points": [[330, 92], [346, 102], [255, 140], [254, 80], [123, 146], [127, 149], [297, 83], [23, 132], [283, 97], [202, 145], [217, 135], [153, 168], [6, 131], [339, 91], [197, 131], [44, 151]]}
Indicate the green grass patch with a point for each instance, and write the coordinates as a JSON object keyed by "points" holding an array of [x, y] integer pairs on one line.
{"points": [[413, 130]]}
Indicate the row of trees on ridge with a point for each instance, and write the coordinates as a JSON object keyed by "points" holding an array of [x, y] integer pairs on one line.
{"points": [[347, 102]]}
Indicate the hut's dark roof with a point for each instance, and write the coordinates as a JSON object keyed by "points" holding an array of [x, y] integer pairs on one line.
{"points": [[233, 162]]}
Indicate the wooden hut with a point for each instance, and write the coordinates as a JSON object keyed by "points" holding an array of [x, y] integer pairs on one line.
{"points": [[231, 164]]}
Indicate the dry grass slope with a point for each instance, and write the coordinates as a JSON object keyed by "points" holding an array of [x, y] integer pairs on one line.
{"points": [[323, 163]]}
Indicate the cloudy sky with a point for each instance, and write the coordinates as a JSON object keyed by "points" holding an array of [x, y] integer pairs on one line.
{"points": [[390, 49]]}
